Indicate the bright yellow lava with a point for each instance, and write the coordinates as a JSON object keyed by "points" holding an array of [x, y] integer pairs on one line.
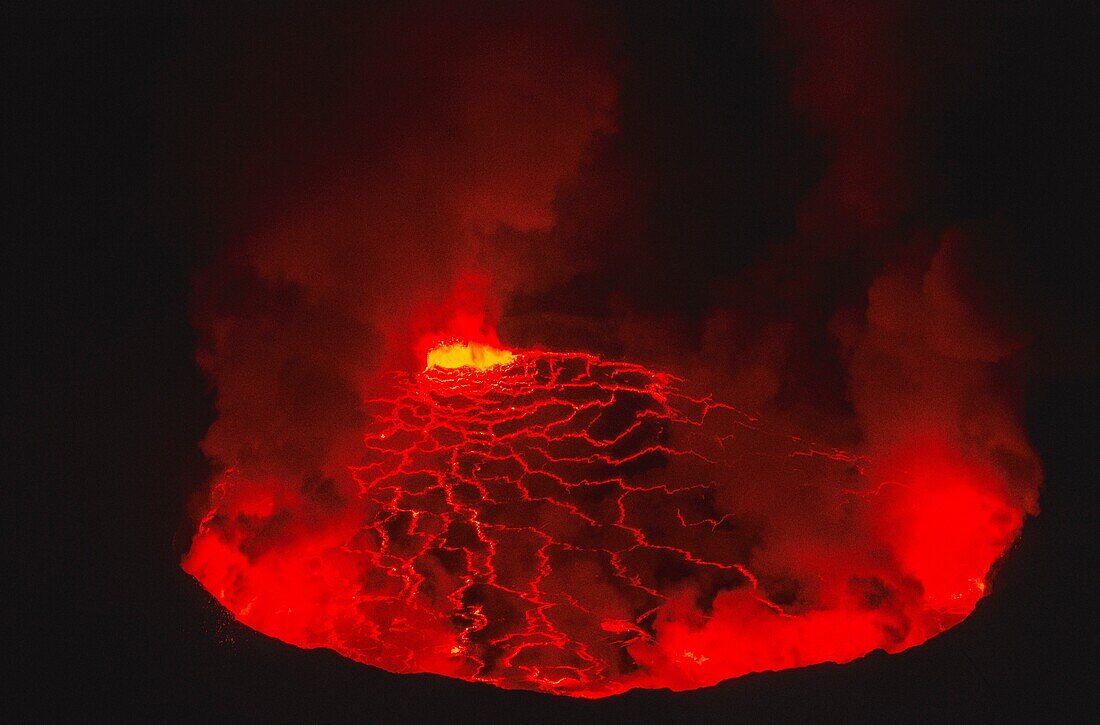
{"points": [[468, 355]]}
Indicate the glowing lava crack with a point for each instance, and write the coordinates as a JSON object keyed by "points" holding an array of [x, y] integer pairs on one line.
{"points": [[561, 523]]}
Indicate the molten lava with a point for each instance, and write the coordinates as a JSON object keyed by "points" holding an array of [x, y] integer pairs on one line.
{"points": [[561, 523], [475, 355]]}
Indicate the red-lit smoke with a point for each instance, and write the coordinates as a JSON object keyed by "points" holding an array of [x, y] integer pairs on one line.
{"points": [[565, 523]]}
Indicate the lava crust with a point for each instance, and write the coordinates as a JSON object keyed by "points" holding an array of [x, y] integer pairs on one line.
{"points": [[574, 526]]}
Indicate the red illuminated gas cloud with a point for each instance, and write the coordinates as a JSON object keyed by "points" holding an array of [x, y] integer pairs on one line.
{"points": [[401, 484], [562, 523]]}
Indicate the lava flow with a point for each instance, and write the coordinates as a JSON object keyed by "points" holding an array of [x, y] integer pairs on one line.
{"points": [[562, 523]]}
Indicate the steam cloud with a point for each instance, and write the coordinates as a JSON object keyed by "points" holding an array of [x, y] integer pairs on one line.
{"points": [[508, 172]]}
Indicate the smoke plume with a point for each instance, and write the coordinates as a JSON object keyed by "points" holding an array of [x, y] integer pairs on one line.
{"points": [[569, 180]]}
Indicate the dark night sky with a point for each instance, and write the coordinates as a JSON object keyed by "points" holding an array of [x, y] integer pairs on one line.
{"points": [[121, 172]]}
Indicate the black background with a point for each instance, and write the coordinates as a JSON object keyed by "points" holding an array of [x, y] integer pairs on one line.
{"points": [[106, 406]]}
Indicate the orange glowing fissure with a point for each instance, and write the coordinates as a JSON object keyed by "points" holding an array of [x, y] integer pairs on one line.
{"points": [[562, 523]]}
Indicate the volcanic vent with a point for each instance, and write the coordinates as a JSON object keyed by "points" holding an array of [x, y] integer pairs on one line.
{"points": [[562, 523]]}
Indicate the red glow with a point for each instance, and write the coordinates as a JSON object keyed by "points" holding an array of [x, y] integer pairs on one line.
{"points": [[461, 327], [581, 527], [947, 522]]}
